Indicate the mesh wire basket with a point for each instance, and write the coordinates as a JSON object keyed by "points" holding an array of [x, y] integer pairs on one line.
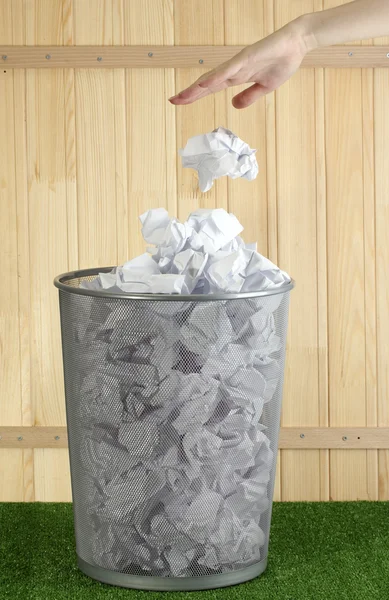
{"points": [[173, 408]]}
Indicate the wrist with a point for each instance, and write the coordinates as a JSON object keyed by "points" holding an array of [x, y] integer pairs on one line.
{"points": [[304, 28]]}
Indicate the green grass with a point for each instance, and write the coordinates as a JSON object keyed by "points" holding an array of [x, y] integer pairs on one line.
{"points": [[319, 551]]}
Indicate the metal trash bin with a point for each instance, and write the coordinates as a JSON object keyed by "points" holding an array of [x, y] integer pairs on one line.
{"points": [[173, 409]]}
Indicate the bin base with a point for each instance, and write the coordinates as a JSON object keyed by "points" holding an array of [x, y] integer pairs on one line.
{"points": [[175, 584]]}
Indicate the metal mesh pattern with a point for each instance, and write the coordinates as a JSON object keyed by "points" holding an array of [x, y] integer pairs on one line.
{"points": [[173, 413]]}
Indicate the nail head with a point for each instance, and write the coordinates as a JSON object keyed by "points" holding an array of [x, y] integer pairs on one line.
{"points": [[99, 58], [57, 437], [48, 56], [150, 54], [4, 57], [350, 53], [201, 61], [302, 435], [387, 56], [20, 438], [344, 438]]}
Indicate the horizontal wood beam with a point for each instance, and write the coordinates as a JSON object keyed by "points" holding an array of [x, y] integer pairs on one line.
{"points": [[207, 57], [291, 438]]}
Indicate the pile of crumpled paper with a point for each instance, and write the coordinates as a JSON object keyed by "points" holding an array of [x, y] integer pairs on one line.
{"points": [[175, 450], [203, 255]]}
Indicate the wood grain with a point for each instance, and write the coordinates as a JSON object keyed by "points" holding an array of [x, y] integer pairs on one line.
{"points": [[297, 224], [381, 147], [178, 57], [347, 337], [11, 475], [87, 145], [244, 23], [196, 22], [151, 138], [52, 475], [299, 438]]}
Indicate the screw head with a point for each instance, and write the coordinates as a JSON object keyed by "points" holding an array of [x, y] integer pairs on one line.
{"points": [[99, 58], [302, 435], [344, 438], [4, 57], [387, 56], [48, 56], [20, 438], [201, 61], [350, 53], [57, 437], [150, 54]]}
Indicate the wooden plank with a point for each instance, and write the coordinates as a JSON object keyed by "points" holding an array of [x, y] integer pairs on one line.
{"points": [[346, 274], [151, 139], [197, 22], [99, 114], [12, 21], [299, 438], [370, 273], [297, 254], [381, 137], [271, 153], [33, 437], [244, 23], [10, 384], [52, 475], [321, 242], [179, 56], [322, 295], [11, 475], [47, 199]]}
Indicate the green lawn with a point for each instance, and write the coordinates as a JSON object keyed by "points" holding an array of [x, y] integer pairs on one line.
{"points": [[319, 551]]}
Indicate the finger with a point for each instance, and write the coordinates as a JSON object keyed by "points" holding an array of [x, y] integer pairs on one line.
{"points": [[191, 92], [213, 81], [249, 96], [219, 79], [180, 100]]}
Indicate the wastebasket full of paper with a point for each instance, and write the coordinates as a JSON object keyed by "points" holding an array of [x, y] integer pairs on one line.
{"points": [[173, 369]]}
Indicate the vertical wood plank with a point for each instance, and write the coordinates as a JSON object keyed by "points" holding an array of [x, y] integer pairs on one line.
{"points": [[381, 131], [197, 22], [322, 292], [15, 400], [346, 275], [11, 475], [244, 24], [10, 384], [370, 273], [100, 139], [150, 119], [48, 237], [297, 224], [52, 475], [271, 153], [44, 23]]}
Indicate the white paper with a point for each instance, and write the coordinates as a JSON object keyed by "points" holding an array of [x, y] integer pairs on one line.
{"points": [[219, 153], [175, 401]]}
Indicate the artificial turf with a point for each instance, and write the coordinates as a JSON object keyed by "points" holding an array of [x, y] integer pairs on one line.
{"points": [[318, 551]]}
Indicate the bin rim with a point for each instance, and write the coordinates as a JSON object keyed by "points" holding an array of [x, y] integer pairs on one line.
{"points": [[60, 283]]}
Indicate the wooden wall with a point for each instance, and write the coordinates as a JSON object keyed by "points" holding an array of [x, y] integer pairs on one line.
{"points": [[84, 151]]}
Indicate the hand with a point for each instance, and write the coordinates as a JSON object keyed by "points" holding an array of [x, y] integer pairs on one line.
{"points": [[267, 63]]}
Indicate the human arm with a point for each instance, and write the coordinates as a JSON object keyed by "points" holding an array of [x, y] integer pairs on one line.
{"points": [[273, 60]]}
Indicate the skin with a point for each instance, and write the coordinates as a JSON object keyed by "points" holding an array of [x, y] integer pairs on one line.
{"points": [[267, 64]]}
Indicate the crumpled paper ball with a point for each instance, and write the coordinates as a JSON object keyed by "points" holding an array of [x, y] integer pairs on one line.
{"points": [[219, 153]]}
